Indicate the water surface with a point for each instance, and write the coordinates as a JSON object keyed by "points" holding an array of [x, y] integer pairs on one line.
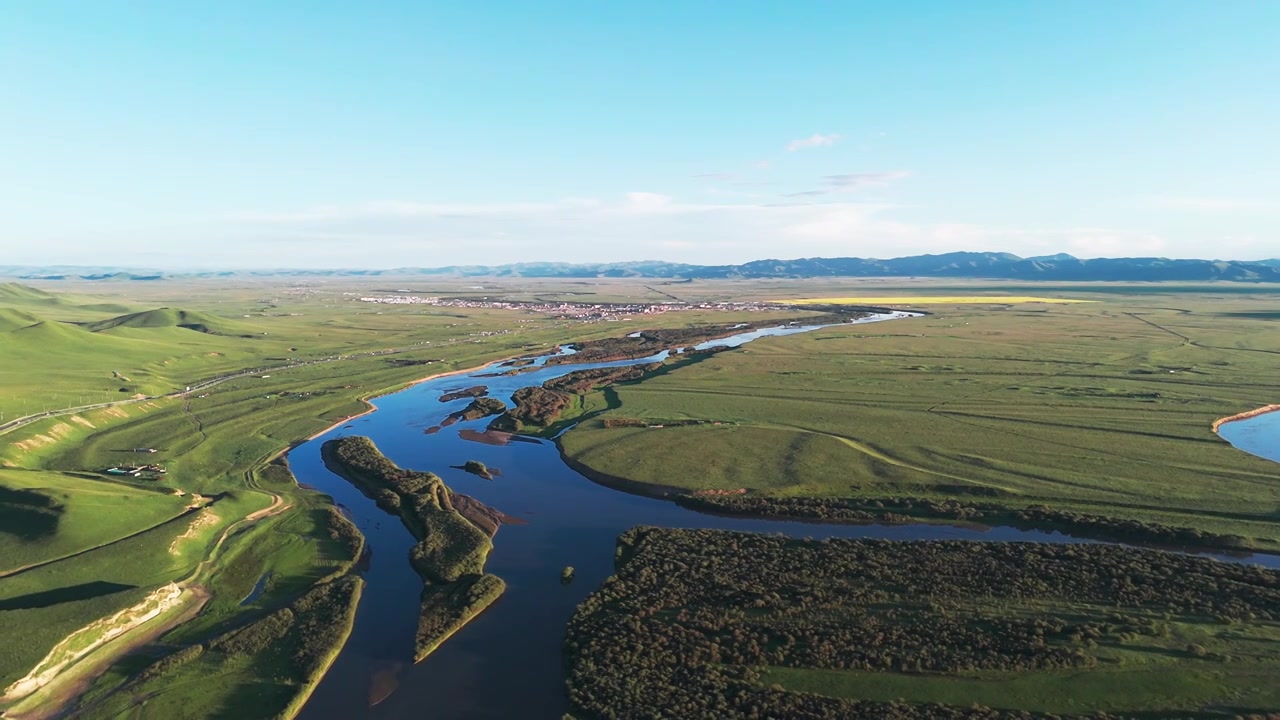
{"points": [[1258, 435]]}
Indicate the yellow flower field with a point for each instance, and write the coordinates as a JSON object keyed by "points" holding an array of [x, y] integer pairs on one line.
{"points": [[932, 300]]}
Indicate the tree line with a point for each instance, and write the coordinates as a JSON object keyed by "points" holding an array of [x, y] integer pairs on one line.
{"points": [[912, 509]]}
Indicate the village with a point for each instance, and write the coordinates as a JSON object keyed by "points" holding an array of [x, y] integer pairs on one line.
{"points": [[585, 312]]}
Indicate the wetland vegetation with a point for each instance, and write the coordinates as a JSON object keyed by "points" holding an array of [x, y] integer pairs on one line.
{"points": [[700, 623]]}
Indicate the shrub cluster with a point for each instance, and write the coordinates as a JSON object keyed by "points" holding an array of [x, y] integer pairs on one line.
{"points": [[580, 382], [677, 631], [534, 406], [446, 608], [344, 532], [481, 407], [294, 641]]}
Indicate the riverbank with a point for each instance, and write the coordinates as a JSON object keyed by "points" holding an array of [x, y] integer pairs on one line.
{"points": [[1245, 415], [313, 680]]}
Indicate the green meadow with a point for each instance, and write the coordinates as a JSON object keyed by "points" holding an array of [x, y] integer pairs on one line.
{"points": [[47, 516], [1104, 408]]}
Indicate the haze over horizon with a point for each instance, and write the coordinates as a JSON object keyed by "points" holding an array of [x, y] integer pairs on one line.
{"points": [[322, 136]]}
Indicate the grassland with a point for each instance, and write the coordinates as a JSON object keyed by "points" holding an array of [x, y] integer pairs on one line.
{"points": [[318, 352], [715, 624], [47, 516], [1102, 408], [296, 357]]}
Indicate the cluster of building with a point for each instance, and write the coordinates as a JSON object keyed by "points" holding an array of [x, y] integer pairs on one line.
{"points": [[586, 312], [137, 470]]}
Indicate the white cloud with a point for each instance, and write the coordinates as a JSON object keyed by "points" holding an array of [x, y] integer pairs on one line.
{"points": [[813, 141], [649, 203], [641, 225]]}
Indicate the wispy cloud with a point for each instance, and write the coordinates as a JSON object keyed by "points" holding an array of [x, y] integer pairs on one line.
{"points": [[813, 141], [852, 181], [848, 182]]}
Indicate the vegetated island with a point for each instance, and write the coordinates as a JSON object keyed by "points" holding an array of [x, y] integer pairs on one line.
{"points": [[540, 406], [480, 408], [474, 391], [477, 468], [454, 536], [716, 624]]}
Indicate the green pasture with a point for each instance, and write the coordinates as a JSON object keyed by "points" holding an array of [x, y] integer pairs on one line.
{"points": [[1240, 671], [1104, 408], [45, 516]]}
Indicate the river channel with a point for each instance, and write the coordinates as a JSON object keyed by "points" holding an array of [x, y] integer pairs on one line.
{"points": [[506, 663]]}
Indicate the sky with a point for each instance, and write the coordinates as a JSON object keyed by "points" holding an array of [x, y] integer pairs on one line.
{"points": [[390, 134]]}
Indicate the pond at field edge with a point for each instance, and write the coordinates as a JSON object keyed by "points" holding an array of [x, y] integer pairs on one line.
{"points": [[1258, 435], [506, 663]]}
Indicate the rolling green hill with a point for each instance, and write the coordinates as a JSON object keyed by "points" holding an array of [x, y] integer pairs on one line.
{"points": [[170, 317], [113, 308], [16, 294], [11, 319]]}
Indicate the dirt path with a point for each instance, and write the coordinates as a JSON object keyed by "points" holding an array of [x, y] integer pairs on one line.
{"points": [[65, 687]]}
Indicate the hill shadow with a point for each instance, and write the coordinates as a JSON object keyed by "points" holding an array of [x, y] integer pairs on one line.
{"points": [[28, 515], [72, 593]]}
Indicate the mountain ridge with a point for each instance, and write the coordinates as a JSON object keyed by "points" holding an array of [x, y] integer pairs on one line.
{"points": [[985, 265]]}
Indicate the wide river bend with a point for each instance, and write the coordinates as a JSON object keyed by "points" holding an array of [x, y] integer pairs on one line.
{"points": [[506, 663]]}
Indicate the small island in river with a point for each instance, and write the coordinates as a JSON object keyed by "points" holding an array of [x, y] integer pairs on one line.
{"points": [[471, 392], [452, 547]]}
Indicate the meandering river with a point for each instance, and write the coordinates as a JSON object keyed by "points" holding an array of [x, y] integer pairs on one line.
{"points": [[506, 663]]}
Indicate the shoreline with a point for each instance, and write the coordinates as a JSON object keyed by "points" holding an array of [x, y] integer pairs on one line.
{"points": [[1245, 415]]}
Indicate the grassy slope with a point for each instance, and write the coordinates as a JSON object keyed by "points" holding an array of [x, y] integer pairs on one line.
{"points": [[49, 515], [1073, 406]]}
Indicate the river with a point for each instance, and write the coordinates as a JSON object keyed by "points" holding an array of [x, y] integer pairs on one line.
{"points": [[506, 663]]}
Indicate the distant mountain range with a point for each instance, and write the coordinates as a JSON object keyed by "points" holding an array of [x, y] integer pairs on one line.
{"points": [[989, 265]]}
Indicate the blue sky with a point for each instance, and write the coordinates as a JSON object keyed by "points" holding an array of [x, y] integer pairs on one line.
{"points": [[384, 134]]}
